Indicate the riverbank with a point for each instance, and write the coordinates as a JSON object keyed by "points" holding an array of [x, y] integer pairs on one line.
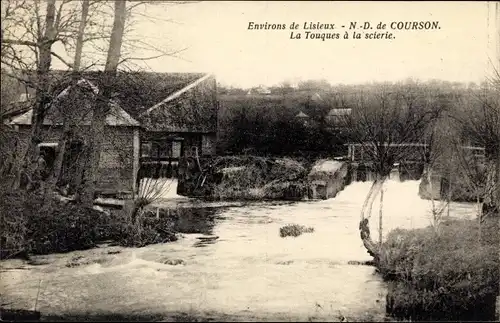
{"points": [[450, 273], [183, 316], [34, 225]]}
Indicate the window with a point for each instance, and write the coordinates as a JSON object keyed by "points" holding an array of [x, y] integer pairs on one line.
{"points": [[165, 149], [146, 149], [207, 145], [176, 149], [155, 147]]}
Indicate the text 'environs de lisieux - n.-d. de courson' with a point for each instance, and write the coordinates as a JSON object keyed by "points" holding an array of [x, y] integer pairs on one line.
{"points": [[309, 25]]}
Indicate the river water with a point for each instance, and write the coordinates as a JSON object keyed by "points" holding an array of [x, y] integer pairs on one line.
{"points": [[235, 263]]}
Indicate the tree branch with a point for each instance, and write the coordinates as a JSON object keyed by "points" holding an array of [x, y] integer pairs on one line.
{"points": [[19, 42], [69, 65]]}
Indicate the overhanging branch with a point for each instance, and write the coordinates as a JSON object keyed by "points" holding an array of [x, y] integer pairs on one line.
{"points": [[62, 60], [19, 42]]}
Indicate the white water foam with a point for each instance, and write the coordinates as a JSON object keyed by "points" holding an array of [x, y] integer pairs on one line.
{"points": [[165, 188]]}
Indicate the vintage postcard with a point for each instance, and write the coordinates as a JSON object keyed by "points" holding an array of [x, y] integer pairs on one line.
{"points": [[249, 160]]}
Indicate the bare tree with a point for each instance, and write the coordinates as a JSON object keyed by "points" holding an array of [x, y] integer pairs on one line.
{"points": [[27, 45], [68, 118], [384, 118], [437, 164], [478, 117], [28, 39], [101, 109]]}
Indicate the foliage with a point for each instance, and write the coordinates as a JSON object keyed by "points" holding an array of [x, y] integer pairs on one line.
{"points": [[247, 177], [32, 225], [439, 274], [145, 231], [294, 230], [269, 126]]}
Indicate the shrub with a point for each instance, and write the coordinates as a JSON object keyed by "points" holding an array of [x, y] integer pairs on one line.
{"points": [[30, 225], [294, 230], [13, 224], [256, 178], [145, 231], [442, 276]]}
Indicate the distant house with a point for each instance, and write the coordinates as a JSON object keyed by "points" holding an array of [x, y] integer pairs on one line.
{"points": [[316, 97], [302, 115], [304, 118], [336, 117], [154, 120]]}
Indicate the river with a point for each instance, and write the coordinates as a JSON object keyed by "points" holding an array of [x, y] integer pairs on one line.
{"points": [[234, 264]]}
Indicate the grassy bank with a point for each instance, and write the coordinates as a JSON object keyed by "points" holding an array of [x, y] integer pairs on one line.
{"points": [[32, 225], [451, 274]]}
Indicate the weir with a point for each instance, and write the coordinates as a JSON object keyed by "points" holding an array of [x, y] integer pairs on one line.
{"points": [[411, 167]]}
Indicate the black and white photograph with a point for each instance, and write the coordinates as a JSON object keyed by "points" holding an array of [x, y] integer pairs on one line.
{"points": [[237, 161]]}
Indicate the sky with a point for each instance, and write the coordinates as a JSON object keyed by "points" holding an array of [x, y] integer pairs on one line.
{"points": [[215, 38]]}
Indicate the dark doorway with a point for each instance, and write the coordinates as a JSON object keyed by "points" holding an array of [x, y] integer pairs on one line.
{"points": [[72, 166], [48, 153]]}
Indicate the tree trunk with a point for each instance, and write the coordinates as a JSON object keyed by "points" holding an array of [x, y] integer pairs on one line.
{"points": [[101, 108], [66, 135], [364, 228], [81, 32], [42, 90]]}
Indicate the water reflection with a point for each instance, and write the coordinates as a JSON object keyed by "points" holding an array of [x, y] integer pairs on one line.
{"points": [[190, 219]]}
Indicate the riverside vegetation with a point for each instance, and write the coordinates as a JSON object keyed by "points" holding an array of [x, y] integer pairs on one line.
{"points": [[452, 275], [30, 225], [245, 177]]}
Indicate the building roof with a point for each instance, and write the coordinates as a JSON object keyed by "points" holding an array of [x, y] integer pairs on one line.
{"points": [[116, 117], [135, 94], [14, 109], [316, 97], [177, 93], [301, 115], [339, 112], [261, 89]]}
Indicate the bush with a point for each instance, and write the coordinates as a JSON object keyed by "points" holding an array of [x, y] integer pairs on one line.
{"points": [[30, 225], [294, 230], [146, 231], [13, 224], [255, 178], [442, 276]]}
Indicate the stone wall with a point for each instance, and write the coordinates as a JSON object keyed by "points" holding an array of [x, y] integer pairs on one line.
{"points": [[327, 178], [116, 162]]}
